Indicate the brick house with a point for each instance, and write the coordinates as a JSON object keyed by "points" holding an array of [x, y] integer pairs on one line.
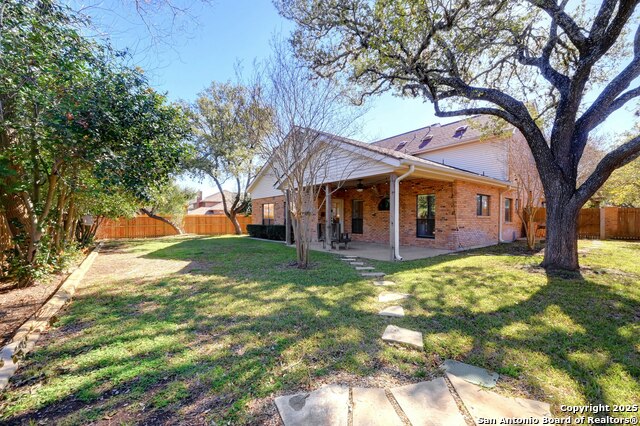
{"points": [[210, 205], [451, 184]]}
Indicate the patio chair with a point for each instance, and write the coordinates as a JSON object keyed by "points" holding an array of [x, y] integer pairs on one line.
{"points": [[343, 238]]}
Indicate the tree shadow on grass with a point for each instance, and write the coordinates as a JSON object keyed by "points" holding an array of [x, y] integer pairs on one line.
{"points": [[173, 342], [236, 325], [570, 339]]}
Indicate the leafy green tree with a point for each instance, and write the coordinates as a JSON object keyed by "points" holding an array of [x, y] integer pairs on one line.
{"points": [[168, 204], [577, 62], [71, 111], [623, 187], [230, 123]]}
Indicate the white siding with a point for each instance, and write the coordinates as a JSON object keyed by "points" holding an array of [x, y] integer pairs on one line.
{"points": [[345, 165], [488, 157], [264, 186]]}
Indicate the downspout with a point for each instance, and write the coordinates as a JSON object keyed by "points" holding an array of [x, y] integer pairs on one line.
{"points": [[500, 216], [396, 213]]}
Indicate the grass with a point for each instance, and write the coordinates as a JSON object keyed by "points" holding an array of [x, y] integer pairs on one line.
{"points": [[230, 324]]}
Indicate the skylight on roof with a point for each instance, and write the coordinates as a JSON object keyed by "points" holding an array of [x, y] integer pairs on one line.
{"points": [[401, 145], [425, 141], [460, 131]]}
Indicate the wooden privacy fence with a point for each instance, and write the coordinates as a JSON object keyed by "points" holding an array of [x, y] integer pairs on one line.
{"points": [[621, 223], [145, 227]]}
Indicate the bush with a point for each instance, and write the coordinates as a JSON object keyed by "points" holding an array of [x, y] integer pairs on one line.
{"points": [[269, 232]]}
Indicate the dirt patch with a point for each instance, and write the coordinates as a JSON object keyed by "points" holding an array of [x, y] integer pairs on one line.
{"points": [[18, 304]]}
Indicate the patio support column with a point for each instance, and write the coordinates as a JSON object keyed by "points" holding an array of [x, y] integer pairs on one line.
{"points": [[287, 218], [392, 216], [327, 226]]}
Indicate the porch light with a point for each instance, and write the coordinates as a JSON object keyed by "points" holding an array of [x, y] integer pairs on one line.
{"points": [[360, 186]]}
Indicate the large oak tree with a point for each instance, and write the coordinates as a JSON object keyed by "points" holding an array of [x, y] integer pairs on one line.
{"points": [[577, 63]]}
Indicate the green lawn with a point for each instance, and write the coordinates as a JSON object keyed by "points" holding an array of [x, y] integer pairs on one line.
{"points": [[235, 325]]}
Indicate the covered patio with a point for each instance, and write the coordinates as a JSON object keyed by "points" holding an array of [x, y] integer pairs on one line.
{"points": [[376, 251]]}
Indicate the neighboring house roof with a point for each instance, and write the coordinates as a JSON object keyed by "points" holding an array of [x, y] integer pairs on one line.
{"points": [[217, 209], [217, 197], [438, 136]]}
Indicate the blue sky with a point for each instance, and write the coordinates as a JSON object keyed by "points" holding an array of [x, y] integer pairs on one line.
{"points": [[208, 45], [223, 34]]}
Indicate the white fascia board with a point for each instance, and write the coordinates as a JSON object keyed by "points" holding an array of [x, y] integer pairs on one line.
{"points": [[449, 173]]}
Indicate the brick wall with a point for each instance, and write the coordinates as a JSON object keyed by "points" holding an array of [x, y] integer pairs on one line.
{"points": [[256, 209], [469, 229], [457, 224]]}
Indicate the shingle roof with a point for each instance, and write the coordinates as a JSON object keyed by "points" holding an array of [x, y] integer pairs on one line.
{"points": [[217, 197], [204, 210], [443, 135], [392, 152]]}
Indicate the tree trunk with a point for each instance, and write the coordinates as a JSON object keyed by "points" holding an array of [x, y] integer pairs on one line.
{"points": [[233, 217], [149, 213], [561, 250]]}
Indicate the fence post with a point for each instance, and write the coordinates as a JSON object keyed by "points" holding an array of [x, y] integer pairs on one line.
{"points": [[603, 223]]}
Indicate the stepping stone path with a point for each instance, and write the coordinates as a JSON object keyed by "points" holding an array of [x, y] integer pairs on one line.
{"points": [[403, 336], [392, 333], [372, 407], [372, 274], [328, 405], [484, 404], [392, 297], [427, 403], [392, 311], [470, 373]]}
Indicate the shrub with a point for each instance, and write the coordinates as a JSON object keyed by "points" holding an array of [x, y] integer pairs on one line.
{"points": [[269, 232]]}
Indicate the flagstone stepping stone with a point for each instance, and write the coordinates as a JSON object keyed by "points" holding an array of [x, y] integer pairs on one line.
{"points": [[326, 406], [356, 263], [429, 403], [392, 297], [383, 283], [372, 407], [392, 311], [471, 373], [349, 258], [486, 405], [372, 274], [403, 336], [364, 268]]}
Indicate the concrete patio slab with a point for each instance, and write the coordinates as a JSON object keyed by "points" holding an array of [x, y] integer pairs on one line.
{"points": [[488, 405], [392, 311], [382, 251], [403, 336], [392, 297], [371, 407], [429, 403], [326, 406], [471, 374]]}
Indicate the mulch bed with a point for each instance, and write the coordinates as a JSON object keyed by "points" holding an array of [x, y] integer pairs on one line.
{"points": [[18, 304]]}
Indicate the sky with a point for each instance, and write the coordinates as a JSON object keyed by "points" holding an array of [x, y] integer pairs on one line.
{"points": [[208, 42]]}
